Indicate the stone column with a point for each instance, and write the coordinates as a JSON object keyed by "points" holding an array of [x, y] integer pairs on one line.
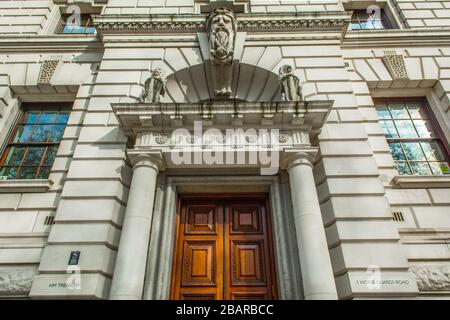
{"points": [[129, 271], [317, 272]]}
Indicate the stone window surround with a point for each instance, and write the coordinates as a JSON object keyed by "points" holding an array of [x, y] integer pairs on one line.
{"points": [[54, 21], [431, 96], [22, 185]]}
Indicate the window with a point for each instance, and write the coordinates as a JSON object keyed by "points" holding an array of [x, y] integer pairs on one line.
{"points": [[32, 147], [415, 140], [69, 25], [369, 19]]}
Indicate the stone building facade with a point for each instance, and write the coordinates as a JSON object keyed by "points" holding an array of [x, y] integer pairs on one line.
{"points": [[360, 205]]}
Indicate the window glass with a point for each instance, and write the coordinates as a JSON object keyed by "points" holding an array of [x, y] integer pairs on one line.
{"points": [[32, 149], [414, 143], [363, 20], [86, 25]]}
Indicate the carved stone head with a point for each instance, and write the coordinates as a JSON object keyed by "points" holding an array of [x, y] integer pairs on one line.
{"points": [[222, 27], [285, 71], [158, 73]]}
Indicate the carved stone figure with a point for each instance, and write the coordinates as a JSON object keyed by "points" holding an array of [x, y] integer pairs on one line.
{"points": [[221, 26], [291, 89], [154, 87]]}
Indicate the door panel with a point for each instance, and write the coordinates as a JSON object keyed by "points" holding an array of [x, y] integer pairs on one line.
{"points": [[199, 263], [199, 272], [224, 249]]}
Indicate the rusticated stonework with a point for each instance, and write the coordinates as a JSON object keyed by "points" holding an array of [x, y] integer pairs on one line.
{"points": [[16, 282], [432, 277]]}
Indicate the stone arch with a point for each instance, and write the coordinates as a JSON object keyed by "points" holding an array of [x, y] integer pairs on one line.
{"points": [[252, 83]]}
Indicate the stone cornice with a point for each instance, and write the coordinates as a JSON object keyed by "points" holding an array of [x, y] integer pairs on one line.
{"points": [[50, 42], [139, 117], [396, 38], [192, 23]]}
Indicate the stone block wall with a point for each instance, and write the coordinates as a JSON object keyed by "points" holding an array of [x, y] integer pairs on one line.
{"points": [[25, 216], [424, 14], [25, 17], [425, 229]]}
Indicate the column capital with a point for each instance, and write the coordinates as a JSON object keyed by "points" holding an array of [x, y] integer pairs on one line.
{"points": [[146, 158], [294, 157]]}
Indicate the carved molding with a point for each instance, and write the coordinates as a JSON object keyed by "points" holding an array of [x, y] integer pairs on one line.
{"points": [[395, 63], [197, 23], [16, 282], [432, 277]]}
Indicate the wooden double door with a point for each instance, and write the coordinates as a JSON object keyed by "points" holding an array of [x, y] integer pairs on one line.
{"points": [[223, 249]]}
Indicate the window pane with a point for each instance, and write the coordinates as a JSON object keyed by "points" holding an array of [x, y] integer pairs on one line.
{"points": [[90, 30], [413, 151], [43, 173], [433, 151], [398, 111], [440, 167], [31, 117], [73, 29], [366, 26], [9, 172], [50, 156], [23, 133], [389, 129], [41, 133], [63, 118], [417, 111], [383, 113], [406, 129], [424, 128], [420, 168], [34, 156], [377, 24], [396, 150], [355, 26], [15, 156], [27, 173], [57, 133], [402, 168], [47, 118]]}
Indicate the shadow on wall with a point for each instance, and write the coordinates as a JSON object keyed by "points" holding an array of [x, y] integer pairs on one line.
{"points": [[190, 85]]}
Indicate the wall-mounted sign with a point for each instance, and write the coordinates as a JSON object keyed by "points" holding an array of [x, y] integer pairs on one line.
{"points": [[74, 258]]}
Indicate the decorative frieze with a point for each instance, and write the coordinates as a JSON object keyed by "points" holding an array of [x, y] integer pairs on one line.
{"points": [[246, 22], [221, 138]]}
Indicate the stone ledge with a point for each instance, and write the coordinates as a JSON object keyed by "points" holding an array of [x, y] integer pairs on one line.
{"points": [[428, 181], [25, 185], [396, 37]]}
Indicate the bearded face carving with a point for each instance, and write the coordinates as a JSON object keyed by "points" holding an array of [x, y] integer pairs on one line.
{"points": [[222, 28]]}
